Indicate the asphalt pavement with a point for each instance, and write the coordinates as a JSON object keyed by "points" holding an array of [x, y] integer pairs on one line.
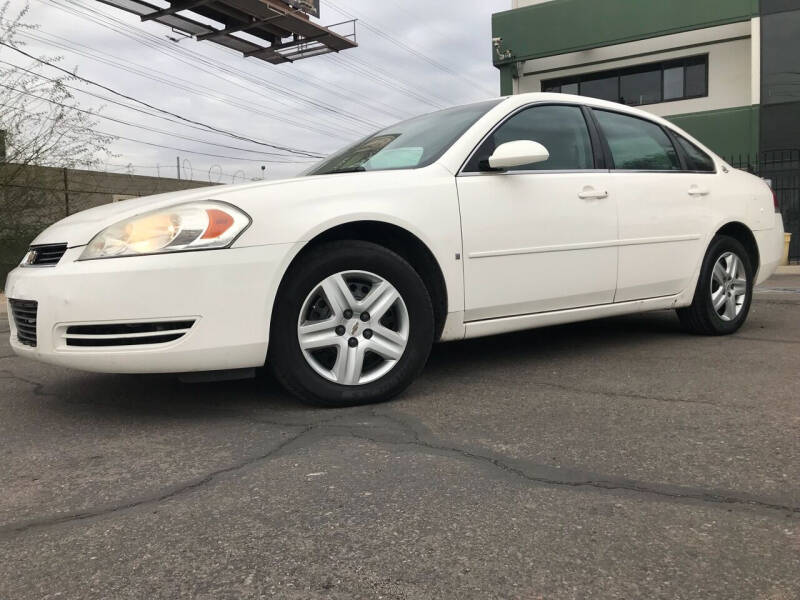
{"points": [[614, 459]]}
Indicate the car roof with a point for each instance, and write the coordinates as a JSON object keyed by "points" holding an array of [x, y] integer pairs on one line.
{"points": [[528, 98]]}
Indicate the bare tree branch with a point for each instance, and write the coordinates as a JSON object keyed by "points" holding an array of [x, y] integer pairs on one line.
{"points": [[41, 119]]}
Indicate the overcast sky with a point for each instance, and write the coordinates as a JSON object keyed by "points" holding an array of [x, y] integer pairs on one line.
{"points": [[318, 104]]}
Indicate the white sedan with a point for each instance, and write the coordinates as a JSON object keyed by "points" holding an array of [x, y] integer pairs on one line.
{"points": [[505, 215]]}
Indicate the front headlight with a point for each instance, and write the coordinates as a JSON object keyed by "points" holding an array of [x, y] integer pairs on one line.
{"points": [[193, 226]]}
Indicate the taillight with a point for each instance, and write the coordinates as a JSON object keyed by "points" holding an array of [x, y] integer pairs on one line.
{"points": [[775, 201]]}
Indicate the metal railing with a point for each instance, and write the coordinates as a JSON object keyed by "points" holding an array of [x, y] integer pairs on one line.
{"points": [[782, 169]]}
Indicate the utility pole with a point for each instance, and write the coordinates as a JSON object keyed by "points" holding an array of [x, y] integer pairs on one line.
{"points": [[178, 162]]}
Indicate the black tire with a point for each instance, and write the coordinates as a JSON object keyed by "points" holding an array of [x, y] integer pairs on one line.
{"points": [[286, 357], [701, 318]]}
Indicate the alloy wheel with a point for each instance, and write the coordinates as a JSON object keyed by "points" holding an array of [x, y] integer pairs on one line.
{"points": [[353, 328], [728, 286]]}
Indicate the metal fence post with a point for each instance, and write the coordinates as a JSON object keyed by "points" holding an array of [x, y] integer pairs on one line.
{"points": [[66, 193]]}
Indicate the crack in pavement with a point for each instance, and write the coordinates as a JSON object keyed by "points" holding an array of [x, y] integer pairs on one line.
{"points": [[38, 388], [582, 479], [406, 433], [170, 492], [631, 395], [20, 527], [755, 339]]}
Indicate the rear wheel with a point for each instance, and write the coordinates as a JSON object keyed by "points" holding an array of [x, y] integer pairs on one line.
{"points": [[724, 291], [353, 324]]}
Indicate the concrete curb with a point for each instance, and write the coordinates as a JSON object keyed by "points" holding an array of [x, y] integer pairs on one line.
{"points": [[788, 270]]}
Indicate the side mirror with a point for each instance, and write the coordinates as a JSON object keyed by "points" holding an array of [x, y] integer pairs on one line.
{"points": [[517, 154]]}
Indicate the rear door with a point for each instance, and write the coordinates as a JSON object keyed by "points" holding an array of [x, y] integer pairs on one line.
{"points": [[664, 208]]}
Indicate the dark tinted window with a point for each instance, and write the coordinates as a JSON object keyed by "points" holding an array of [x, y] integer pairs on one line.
{"points": [[696, 159], [696, 84], [560, 129], [780, 48], [673, 83], [643, 84], [637, 144], [603, 87], [570, 88], [639, 88]]}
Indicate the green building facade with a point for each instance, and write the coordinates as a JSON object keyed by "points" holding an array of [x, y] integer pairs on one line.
{"points": [[727, 71]]}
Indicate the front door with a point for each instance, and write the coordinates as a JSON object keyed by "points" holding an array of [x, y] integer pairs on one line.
{"points": [[540, 237]]}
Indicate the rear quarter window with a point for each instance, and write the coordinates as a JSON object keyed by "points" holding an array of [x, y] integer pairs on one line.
{"points": [[696, 159]]}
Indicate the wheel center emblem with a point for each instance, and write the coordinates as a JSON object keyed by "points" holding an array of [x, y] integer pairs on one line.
{"points": [[355, 328]]}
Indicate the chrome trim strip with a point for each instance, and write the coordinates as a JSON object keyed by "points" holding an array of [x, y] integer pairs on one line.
{"points": [[126, 336], [586, 246]]}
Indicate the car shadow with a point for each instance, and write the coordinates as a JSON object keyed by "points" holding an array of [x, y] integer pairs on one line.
{"points": [[141, 396], [587, 337], [167, 395]]}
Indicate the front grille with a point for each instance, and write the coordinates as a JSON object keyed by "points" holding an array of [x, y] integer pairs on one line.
{"points": [[45, 255], [24, 313], [126, 334]]}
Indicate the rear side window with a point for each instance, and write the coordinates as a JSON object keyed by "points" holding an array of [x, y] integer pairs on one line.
{"points": [[559, 128], [637, 144], [696, 159]]}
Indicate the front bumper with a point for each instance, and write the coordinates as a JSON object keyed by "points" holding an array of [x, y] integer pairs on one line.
{"points": [[227, 293]]}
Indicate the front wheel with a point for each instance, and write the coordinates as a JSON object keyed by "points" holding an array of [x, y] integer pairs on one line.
{"points": [[353, 324], [724, 291]]}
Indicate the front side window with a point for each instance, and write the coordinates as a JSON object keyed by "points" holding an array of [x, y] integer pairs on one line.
{"points": [[696, 159], [560, 129], [411, 144], [637, 144]]}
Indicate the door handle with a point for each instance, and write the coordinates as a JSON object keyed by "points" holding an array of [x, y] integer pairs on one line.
{"points": [[589, 193], [698, 191]]}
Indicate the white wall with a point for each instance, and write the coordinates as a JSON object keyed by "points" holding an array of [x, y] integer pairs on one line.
{"points": [[731, 58]]}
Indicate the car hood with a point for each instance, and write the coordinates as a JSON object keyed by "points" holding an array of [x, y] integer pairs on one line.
{"points": [[80, 228]]}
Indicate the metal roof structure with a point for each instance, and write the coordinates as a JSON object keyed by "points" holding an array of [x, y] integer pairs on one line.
{"points": [[270, 30]]}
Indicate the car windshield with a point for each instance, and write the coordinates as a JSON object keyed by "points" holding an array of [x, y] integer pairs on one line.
{"points": [[411, 144]]}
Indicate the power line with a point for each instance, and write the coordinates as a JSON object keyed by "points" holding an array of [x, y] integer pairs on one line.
{"points": [[294, 96], [139, 126], [179, 83], [143, 103], [196, 57], [164, 47], [112, 101], [379, 32], [184, 150]]}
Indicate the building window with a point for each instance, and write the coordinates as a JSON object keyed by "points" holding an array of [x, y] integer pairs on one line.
{"points": [[644, 84]]}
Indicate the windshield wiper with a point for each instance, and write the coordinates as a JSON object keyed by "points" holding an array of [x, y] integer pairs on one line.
{"points": [[347, 170]]}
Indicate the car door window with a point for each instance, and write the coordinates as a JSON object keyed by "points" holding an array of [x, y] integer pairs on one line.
{"points": [[696, 159], [637, 144], [559, 128]]}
